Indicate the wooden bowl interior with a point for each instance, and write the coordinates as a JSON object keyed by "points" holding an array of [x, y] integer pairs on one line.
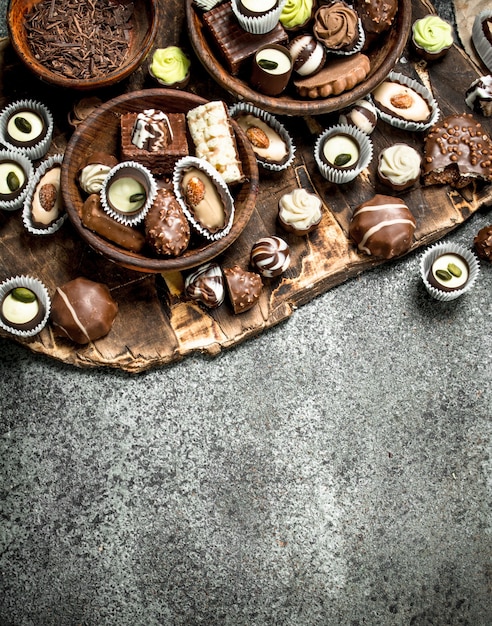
{"points": [[101, 132], [143, 33], [383, 56]]}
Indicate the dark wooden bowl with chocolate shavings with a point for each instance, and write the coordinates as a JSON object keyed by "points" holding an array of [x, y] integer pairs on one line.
{"points": [[383, 55], [81, 45], [100, 132]]}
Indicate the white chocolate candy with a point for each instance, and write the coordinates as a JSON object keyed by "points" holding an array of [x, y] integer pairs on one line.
{"points": [[34, 121], [6, 168]]}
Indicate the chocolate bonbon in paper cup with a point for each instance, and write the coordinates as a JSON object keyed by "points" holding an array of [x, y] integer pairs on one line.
{"points": [[448, 270], [25, 306]]}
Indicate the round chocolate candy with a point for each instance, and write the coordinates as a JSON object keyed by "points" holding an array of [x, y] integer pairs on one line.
{"points": [[25, 128], [270, 256], [21, 309], [271, 69], [363, 115], [449, 272]]}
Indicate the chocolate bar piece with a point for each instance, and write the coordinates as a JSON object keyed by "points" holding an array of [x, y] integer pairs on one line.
{"points": [[234, 43], [154, 139]]}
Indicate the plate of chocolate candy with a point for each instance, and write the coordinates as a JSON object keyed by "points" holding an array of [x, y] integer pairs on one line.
{"points": [[144, 186], [292, 60]]}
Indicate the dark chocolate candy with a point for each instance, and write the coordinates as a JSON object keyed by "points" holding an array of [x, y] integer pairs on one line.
{"points": [[483, 243], [244, 288], [166, 227], [21, 309]]}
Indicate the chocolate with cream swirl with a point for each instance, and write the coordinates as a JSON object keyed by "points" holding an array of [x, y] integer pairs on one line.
{"points": [[270, 256], [336, 26], [206, 285]]}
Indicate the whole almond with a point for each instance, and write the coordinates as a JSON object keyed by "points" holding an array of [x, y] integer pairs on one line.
{"points": [[47, 196], [257, 137], [195, 191]]}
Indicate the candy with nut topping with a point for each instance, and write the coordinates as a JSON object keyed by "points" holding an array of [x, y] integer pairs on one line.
{"points": [[166, 227], [457, 151], [244, 288]]}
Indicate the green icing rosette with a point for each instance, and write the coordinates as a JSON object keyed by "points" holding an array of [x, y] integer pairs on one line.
{"points": [[296, 13], [170, 66], [432, 34]]}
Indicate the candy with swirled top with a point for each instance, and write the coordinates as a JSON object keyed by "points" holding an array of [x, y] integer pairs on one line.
{"points": [[270, 256], [206, 285]]}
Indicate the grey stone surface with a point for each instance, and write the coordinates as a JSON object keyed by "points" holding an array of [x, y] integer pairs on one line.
{"points": [[335, 471]]}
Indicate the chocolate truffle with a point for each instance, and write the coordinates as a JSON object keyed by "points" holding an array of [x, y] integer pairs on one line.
{"points": [[21, 309], [270, 256], [449, 272], [399, 166], [432, 37], [377, 16], [243, 287], [206, 285], [457, 151], [94, 170], [299, 211], [482, 37], [383, 227], [13, 179], [483, 243], [128, 192], [25, 128], [166, 227], [83, 310], [336, 26], [308, 55], [47, 201], [478, 96], [363, 115]]}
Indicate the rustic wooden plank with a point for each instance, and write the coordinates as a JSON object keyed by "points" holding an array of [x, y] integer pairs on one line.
{"points": [[155, 324]]}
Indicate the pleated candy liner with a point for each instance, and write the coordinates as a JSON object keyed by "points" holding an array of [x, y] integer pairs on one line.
{"points": [[480, 41], [269, 119], [261, 24], [361, 40], [396, 122], [437, 250], [338, 175], [187, 162], [26, 211], [41, 148], [42, 294], [206, 5], [26, 164], [136, 218]]}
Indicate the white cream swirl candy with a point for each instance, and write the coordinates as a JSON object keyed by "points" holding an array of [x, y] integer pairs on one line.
{"points": [[91, 177], [270, 256], [299, 211], [399, 164]]}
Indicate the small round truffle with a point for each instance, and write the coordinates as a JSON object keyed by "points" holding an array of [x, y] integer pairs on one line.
{"points": [[206, 285], [399, 166], [478, 96], [83, 310], [336, 26], [270, 256], [243, 287], [308, 55], [432, 37], [166, 228], [299, 211], [363, 115], [482, 243], [383, 227]]}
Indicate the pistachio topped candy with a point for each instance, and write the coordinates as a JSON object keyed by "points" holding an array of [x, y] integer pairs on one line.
{"points": [[449, 272], [21, 309], [26, 126], [128, 192]]}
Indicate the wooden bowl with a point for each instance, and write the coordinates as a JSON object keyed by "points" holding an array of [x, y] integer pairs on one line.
{"points": [[101, 132], [145, 23], [383, 57]]}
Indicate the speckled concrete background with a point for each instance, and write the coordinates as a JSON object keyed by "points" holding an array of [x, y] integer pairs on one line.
{"points": [[334, 471]]}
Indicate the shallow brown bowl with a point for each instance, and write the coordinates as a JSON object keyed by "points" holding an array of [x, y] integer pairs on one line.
{"points": [[101, 132], [145, 24], [383, 56]]}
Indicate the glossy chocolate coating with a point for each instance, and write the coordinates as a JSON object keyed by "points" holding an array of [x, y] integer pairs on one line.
{"points": [[483, 243], [271, 83], [166, 227], [377, 15], [383, 227], [83, 310], [270, 256], [244, 288], [98, 221], [478, 96], [456, 151], [206, 285]]}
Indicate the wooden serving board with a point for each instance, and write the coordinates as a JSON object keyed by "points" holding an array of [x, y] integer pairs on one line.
{"points": [[155, 324]]}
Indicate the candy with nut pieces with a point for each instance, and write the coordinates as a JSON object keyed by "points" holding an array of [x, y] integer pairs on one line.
{"points": [[244, 288]]}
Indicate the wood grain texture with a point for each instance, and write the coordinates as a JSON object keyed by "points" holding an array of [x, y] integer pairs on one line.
{"points": [[155, 324]]}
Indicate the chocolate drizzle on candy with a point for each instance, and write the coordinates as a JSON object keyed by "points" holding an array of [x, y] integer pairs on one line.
{"points": [[456, 152], [383, 227], [152, 130]]}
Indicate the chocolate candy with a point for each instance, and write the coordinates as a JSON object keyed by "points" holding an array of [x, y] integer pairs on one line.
{"points": [[457, 151], [83, 310], [449, 272], [483, 243], [308, 55], [478, 96], [96, 219], [270, 256], [47, 202], [363, 115], [166, 227], [383, 227], [244, 288], [271, 70], [206, 285], [21, 309], [25, 128]]}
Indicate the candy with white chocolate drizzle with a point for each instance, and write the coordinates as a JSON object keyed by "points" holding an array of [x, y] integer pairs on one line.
{"points": [[152, 130]]}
